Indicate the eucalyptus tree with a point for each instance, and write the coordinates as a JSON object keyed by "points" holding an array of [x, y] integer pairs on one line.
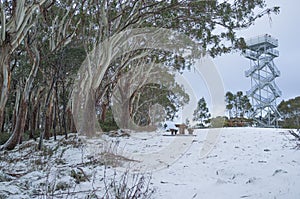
{"points": [[170, 96], [238, 105], [16, 19], [54, 28], [229, 99], [197, 19], [61, 25]]}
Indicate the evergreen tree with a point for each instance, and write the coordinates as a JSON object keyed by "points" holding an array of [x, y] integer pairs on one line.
{"points": [[238, 105], [229, 99], [201, 114]]}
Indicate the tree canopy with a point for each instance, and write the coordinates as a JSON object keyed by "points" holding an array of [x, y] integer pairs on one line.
{"points": [[238, 105], [201, 114]]}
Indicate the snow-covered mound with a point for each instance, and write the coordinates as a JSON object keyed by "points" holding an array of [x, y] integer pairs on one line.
{"points": [[215, 163]]}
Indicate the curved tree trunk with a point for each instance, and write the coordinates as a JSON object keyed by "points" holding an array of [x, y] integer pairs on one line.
{"points": [[22, 113], [14, 28]]}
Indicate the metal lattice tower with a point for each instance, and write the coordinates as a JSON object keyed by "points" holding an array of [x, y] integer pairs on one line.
{"points": [[264, 91]]}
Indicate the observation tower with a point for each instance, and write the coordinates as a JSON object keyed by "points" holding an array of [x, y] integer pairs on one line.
{"points": [[264, 91]]}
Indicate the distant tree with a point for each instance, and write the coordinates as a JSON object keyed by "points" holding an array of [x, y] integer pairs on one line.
{"points": [[141, 89], [238, 105], [201, 114], [246, 106], [290, 111], [229, 99]]}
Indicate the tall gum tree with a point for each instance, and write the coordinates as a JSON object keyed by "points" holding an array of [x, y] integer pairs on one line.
{"points": [[60, 35], [16, 19]]}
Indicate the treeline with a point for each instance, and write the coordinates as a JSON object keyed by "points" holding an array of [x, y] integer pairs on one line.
{"points": [[43, 44], [240, 109]]}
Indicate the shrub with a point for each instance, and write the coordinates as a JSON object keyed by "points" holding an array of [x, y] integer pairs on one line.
{"points": [[4, 137]]}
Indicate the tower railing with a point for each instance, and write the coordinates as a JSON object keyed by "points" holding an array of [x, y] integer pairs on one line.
{"points": [[262, 39]]}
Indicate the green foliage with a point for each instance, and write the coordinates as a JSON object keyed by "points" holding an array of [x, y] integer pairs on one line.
{"points": [[290, 111], [4, 137], [199, 19], [201, 114], [109, 123], [238, 105], [171, 99]]}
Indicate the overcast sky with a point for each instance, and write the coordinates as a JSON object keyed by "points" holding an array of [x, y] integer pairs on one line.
{"points": [[286, 28]]}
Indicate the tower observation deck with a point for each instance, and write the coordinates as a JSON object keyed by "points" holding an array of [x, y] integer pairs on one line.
{"points": [[264, 91]]}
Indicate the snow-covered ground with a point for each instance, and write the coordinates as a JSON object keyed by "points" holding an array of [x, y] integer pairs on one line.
{"points": [[215, 163], [245, 163]]}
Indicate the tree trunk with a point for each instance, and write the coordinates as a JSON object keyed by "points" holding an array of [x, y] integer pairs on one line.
{"points": [[71, 125], [88, 126], [58, 109], [55, 119], [5, 81], [125, 116], [64, 110], [19, 127], [48, 121], [103, 111], [33, 120], [125, 109], [45, 121]]}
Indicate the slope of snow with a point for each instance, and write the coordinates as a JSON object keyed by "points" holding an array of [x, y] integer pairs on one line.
{"points": [[241, 163], [245, 163]]}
